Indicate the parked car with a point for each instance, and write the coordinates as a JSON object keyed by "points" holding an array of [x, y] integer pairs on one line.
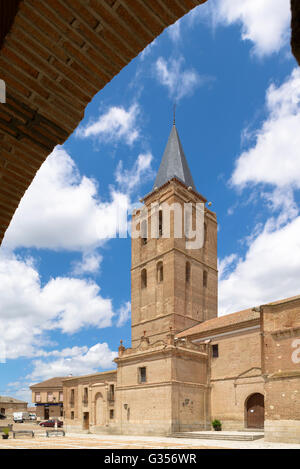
{"points": [[20, 417], [51, 423], [2, 416], [32, 416]]}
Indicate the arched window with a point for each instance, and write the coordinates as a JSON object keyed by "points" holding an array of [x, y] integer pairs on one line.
{"points": [[144, 232], [144, 278], [160, 272], [160, 223], [204, 278], [187, 272]]}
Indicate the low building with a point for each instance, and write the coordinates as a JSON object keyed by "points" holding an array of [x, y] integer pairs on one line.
{"points": [[9, 405], [90, 402], [48, 398]]}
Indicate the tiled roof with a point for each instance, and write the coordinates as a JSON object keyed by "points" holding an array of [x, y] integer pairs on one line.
{"points": [[221, 322], [92, 375], [50, 383], [285, 300]]}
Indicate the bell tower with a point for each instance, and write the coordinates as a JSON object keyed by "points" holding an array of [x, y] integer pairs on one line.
{"points": [[174, 282]]}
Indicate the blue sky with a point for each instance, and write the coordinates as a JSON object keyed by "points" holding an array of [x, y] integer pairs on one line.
{"points": [[65, 293]]}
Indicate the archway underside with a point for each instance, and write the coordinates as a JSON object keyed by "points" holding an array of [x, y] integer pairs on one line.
{"points": [[55, 56]]}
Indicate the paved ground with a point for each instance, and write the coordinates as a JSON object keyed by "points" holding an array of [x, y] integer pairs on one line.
{"points": [[85, 441]]}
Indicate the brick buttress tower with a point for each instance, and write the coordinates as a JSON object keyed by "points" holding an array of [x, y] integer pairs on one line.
{"points": [[163, 381], [173, 285]]}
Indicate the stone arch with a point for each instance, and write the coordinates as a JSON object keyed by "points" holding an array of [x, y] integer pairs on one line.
{"points": [[160, 272], [54, 58], [100, 410]]}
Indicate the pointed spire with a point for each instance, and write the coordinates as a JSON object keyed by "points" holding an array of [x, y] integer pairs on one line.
{"points": [[174, 162]]}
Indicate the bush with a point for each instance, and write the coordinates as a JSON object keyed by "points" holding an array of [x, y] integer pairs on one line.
{"points": [[217, 425]]}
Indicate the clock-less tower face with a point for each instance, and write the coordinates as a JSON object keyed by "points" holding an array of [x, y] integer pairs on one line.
{"points": [[173, 284]]}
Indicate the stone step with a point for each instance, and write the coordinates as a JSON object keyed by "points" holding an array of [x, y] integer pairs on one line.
{"points": [[218, 436]]}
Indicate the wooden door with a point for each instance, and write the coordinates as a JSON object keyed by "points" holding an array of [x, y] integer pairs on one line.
{"points": [[255, 411], [86, 421]]}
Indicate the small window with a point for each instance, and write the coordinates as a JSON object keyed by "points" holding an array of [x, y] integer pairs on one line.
{"points": [[215, 351], [160, 272], [144, 232], [144, 278], [61, 396], [72, 415], [111, 393], [50, 397], [160, 223], [205, 279], [142, 374], [72, 397], [187, 272], [37, 397], [205, 232], [111, 414]]}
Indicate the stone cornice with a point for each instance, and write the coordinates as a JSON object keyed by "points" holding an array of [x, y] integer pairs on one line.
{"points": [[161, 384], [173, 248], [161, 351]]}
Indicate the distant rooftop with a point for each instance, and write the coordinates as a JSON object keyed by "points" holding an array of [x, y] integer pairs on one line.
{"points": [[174, 163], [12, 400], [51, 383]]}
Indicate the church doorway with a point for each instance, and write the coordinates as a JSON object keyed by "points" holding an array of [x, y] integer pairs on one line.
{"points": [[255, 411]]}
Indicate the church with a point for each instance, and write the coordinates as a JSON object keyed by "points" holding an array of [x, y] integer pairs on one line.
{"points": [[187, 366]]}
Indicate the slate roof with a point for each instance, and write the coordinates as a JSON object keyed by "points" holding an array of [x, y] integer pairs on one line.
{"points": [[174, 163]]}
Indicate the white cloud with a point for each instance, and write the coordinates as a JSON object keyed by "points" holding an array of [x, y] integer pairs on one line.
{"points": [[225, 264], [124, 314], [275, 157], [76, 361], [147, 51], [269, 271], [266, 23], [116, 124], [28, 309], [61, 210], [89, 264], [174, 31], [179, 82], [130, 179]]}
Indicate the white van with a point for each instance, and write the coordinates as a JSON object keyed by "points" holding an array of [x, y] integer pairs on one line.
{"points": [[20, 417]]}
